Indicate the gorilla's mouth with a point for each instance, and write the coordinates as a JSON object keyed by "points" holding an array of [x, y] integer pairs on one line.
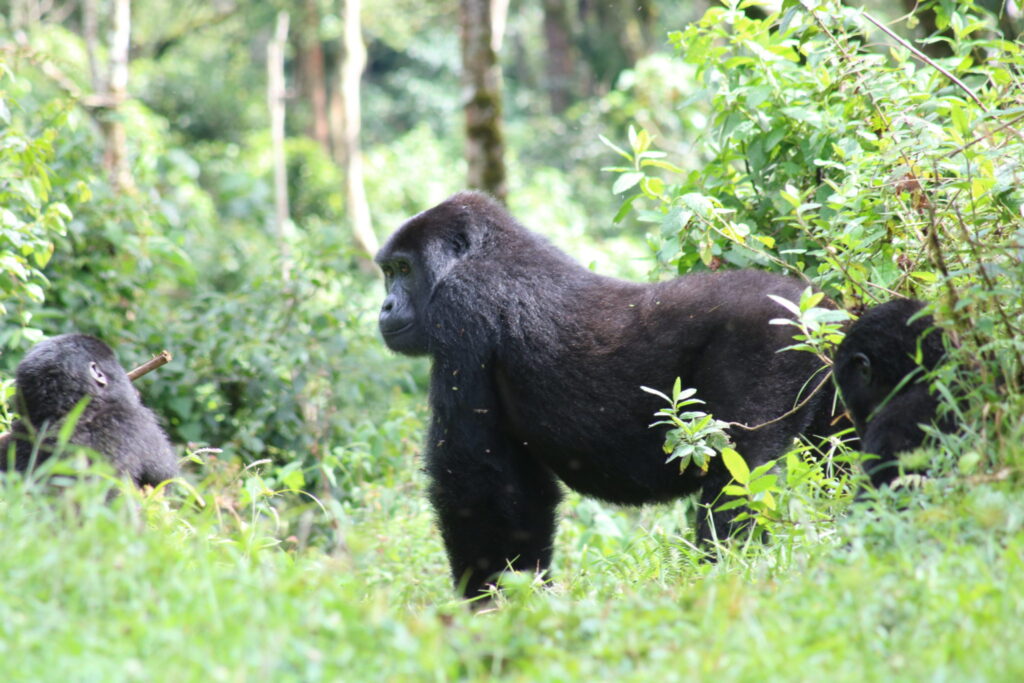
{"points": [[397, 332]]}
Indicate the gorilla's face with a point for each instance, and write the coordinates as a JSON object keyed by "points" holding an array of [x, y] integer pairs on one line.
{"points": [[402, 313], [419, 256]]}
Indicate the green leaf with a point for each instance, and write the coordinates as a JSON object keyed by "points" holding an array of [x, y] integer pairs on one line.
{"points": [[627, 204], [731, 505], [763, 484], [656, 393], [761, 470], [658, 163], [615, 148], [67, 429], [736, 465], [626, 181], [786, 303]]}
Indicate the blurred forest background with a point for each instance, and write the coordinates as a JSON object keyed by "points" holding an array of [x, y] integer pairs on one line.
{"points": [[211, 177], [149, 161]]}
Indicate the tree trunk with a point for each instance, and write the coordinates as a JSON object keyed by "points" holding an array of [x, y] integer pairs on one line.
{"points": [[90, 28], [499, 19], [481, 78], [615, 34], [336, 116], [353, 62], [276, 104], [311, 66], [112, 91], [559, 51]]}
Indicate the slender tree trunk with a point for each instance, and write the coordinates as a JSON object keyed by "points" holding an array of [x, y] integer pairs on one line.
{"points": [[353, 62], [481, 77], [90, 28], [115, 158], [20, 14], [559, 51], [336, 116], [499, 19], [276, 104], [311, 65]]}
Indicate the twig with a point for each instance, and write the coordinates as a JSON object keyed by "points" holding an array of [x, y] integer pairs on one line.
{"points": [[789, 413], [927, 60], [986, 135], [162, 358]]}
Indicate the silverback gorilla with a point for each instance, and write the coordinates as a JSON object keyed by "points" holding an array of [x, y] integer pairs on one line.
{"points": [[536, 376], [880, 369], [53, 377]]}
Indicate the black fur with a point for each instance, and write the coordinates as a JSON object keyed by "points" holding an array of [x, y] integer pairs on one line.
{"points": [[880, 369], [537, 369], [53, 377]]}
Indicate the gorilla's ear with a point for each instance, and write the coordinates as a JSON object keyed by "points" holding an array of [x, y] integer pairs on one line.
{"points": [[97, 374], [863, 364]]}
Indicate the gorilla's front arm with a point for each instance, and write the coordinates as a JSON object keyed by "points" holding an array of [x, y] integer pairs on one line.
{"points": [[495, 503]]}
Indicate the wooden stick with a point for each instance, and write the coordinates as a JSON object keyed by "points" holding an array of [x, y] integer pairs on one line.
{"points": [[162, 358]]}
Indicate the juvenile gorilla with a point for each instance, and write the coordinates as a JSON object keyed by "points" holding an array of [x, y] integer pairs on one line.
{"points": [[880, 368], [537, 369], [53, 377]]}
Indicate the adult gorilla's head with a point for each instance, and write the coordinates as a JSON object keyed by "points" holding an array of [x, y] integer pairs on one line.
{"points": [[416, 258]]}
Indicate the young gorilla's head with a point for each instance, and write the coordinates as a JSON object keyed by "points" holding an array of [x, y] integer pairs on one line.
{"points": [[57, 373], [885, 345]]}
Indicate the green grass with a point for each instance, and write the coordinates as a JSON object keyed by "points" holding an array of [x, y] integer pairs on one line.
{"points": [[928, 587]]}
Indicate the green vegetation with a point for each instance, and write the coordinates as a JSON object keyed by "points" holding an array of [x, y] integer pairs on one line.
{"points": [[300, 545]]}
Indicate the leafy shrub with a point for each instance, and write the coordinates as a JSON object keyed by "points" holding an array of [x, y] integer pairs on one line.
{"points": [[31, 216], [867, 171]]}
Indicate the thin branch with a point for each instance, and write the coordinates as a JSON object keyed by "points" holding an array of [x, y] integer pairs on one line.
{"points": [[21, 48], [162, 358], [799, 406], [985, 135], [927, 60], [189, 29]]}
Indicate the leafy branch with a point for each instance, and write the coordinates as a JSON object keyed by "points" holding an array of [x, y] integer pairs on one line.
{"points": [[694, 436]]}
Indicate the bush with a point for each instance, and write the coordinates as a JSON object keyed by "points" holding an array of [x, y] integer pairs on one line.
{"points": [[869, 172]]}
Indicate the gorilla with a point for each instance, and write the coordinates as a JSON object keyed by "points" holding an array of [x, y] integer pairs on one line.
{"points": [[880, 368], [537, 365], [52, 378]]}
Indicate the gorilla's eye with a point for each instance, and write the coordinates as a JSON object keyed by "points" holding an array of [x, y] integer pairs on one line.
{"points": [[97, 374], [403, 268], [863, 365], [460, 243], [388, 271]]}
